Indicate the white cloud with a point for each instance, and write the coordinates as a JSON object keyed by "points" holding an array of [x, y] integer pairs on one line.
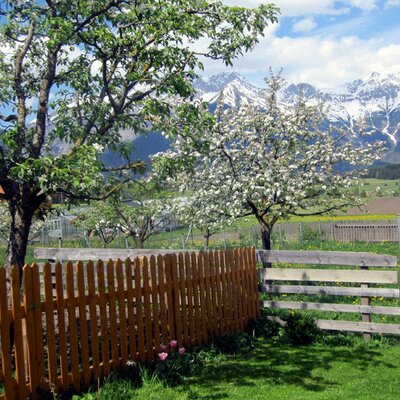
{"points": [[323, 62], [304, 25], [392, 3], [366, 5]]}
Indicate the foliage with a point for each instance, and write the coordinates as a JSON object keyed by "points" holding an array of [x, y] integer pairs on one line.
{"points": [[139, 210], [176, 363], [264, 327], [76, 75], [301, 329], [235, 343], [267, 163]]}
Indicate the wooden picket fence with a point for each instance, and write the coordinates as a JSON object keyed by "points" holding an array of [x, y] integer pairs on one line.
{"points": [[73, 323]]}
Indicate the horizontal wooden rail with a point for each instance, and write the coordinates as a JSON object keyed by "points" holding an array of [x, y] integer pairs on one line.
{"points": [[92, 254], [350, 326], [326, 258], [321, 275], [347, 308], [330, 290]]}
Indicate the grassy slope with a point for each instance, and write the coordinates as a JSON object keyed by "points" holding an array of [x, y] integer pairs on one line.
{"points": [[284, 372]]}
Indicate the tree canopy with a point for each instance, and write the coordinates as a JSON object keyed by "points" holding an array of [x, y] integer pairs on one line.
{"points": [[75, 74], [269, 163]]}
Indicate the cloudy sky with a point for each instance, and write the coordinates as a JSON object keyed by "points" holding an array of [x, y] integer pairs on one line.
{"points": [[324, 42]]}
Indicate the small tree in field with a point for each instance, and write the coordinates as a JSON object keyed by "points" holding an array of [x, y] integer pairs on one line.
{"points": [[74, 74], [268, 163], [145, 212]]}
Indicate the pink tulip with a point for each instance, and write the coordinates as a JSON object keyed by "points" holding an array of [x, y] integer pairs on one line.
{"points": [[163, 356], [163, 348], [173, 344], [182, 351]]}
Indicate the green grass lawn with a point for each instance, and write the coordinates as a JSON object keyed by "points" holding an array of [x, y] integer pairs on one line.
{"points": [[275, 371]]}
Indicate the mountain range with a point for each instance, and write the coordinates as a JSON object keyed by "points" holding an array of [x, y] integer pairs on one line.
{"points": [[374, 99]]}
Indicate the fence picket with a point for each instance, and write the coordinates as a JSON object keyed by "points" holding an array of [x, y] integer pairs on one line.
{"points": [[131, 315], [62, 341], [18, 336], [139, 310], [154, 303], [196, 288], [112, 310], [163, 303], [184, 309], [50, 326], [72, 327], [122, 313], [5, 337], [94, 330], [147, 310], [176, 300], [83, 329], [190, 310], [105, 358]]}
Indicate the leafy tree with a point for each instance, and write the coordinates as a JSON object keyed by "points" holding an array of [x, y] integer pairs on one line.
{"points": [[145, 211], [268, 163], [75, 73]]}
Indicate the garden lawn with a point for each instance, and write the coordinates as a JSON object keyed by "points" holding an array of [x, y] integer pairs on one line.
{"points": [[276, 371]]}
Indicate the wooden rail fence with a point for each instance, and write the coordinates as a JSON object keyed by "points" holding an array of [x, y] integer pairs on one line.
{"points": [[73, 323], [307, 275]]}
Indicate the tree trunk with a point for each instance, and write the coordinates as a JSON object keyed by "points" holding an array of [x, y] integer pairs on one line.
{"points": [[207, 236], [266, 238], [21, 221], [139, 242]]}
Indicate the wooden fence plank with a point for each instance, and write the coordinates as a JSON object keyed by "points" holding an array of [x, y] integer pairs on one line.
{"points": [[207, 288], [131, 315], [94, 330], [226, 293], [350, 308], [139, 310], [147, 310], [327, 258], [155, 303], [161, 269], [220, 301], [359, 326], [196, 301], [5, 323], [83, 328], [18, 335], [183, 281], [202, 298], [176, 300], [240, 292], [50, 326], [323, 275], [72, 327], [190, 309], [62, 341], [330, 290], [105, 354], [112, 311], [122, 313], [37, 302]]}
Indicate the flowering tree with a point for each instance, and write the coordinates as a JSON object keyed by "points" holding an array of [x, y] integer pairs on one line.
{"points": [[267, 163], [74, 74], [145, 212]]}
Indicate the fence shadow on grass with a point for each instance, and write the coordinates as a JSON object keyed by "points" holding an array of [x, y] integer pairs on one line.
{"points": [[278, 364]]}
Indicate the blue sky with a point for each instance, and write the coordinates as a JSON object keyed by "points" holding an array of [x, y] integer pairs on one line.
{"points": [[324, 42]]}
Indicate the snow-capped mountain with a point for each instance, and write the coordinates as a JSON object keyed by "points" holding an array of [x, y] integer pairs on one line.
{"points": [[374, 100]]}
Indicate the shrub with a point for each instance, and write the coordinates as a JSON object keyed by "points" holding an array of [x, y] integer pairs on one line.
{"points": [[234, 343], [264, 327], [301, 329]]}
